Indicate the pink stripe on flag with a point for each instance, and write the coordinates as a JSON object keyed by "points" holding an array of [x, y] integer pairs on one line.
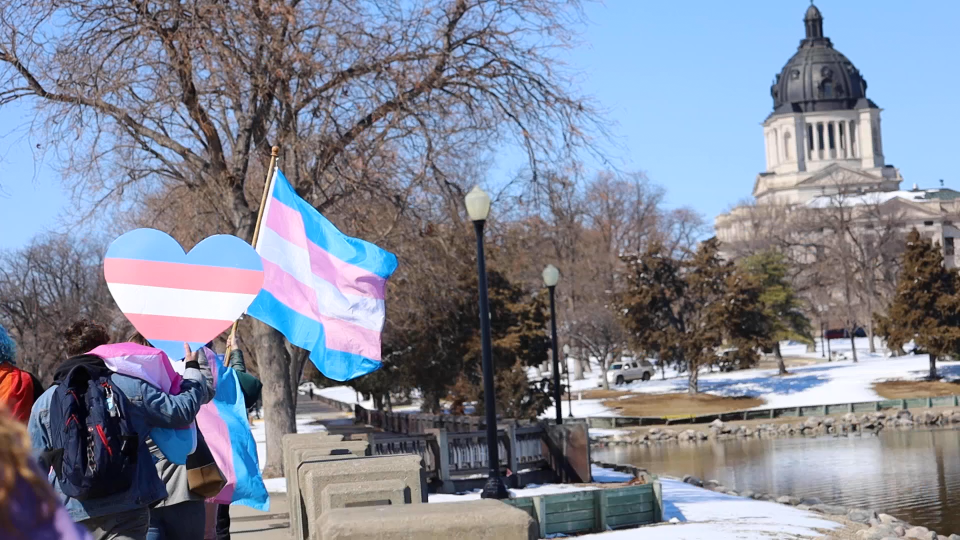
{"points": [[287, 222], [182, 276], [144, 363], [346, 277], [298, 296], [348, 337], [163, 327], [217, 437], [340, 335], [349, 279]]}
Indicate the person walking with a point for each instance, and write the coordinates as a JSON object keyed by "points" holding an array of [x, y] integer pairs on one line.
{"points": [[181, 515], [28, 506], [90, 428], [19, 389]]}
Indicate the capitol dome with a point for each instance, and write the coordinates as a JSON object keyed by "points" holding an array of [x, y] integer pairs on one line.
{"points": [[818, 77]]}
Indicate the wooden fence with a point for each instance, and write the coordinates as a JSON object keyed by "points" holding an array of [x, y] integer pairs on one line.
{"points": [[760, 414], [594, 511]]}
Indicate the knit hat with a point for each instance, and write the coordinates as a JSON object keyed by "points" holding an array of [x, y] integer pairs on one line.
{"points": [[8, 347]]}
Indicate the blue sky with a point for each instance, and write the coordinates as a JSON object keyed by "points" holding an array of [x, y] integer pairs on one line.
{"points": [[687, 83]]}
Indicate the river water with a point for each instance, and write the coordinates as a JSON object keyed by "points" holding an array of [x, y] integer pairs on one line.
{"points": [[913, 475]]}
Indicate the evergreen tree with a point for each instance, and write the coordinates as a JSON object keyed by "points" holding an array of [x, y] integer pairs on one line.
{"points": [[781, 306], [518, 340], [926, 307], [684, 311]]}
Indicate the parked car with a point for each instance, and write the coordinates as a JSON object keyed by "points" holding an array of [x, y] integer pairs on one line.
{"points": [[630, 370], [842, 333]]}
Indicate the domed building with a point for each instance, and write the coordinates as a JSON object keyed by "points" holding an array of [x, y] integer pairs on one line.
{"points": [[821, 120], [823, 143]]}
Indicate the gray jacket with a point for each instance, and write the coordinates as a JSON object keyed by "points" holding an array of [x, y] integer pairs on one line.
{"points": [[172, 475]]}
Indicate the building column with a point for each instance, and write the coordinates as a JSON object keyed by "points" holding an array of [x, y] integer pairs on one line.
{"points": [[868, 157], [800, 142], [814, 128]]}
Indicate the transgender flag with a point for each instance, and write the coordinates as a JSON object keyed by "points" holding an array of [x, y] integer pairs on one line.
{"points": [[321, 289]]}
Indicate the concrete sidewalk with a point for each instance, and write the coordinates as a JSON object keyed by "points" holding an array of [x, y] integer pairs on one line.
{"points": [[249, 524]]}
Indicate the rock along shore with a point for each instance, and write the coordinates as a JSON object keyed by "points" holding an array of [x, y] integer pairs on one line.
{"points": [[849, 424], [877, 526]]}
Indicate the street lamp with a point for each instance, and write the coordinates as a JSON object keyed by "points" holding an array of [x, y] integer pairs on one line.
{"points": [[550, 278], [478, 207]]}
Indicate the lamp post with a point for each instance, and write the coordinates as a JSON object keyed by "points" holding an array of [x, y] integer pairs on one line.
{"points": [[478, 207], [566, 369], [550, 278]]}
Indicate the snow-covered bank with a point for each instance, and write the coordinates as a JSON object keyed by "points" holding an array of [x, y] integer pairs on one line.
{"points": [[694, 513], [819, 384], [700, 514]]}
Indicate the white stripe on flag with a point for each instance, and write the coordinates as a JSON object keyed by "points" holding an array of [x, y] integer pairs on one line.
{"points": [[294, 260], [147, 300]]}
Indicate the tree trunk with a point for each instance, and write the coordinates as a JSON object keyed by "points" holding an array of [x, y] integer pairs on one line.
{"points": [[279, 416], [780, 365], [933, 367], [577, 368], [604, 365], [389, 402], [853, 343], [298, 359], [693, 378], [870, 336]]}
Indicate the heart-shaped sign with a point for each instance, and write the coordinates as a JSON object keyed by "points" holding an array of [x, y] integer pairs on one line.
{"points": [[172, 297]]}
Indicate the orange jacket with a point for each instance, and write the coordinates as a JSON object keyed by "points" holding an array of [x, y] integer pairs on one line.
{"points": [[18, 390]]}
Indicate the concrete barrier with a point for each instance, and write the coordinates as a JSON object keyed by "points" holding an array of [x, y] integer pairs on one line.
{"points": [[373, 493], [366, 473], [290, 444], [323, 451], [474, 520]]}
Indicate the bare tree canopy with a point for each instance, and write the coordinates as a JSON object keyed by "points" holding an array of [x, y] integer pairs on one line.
{"points": [[45, 287], [170, 108]]}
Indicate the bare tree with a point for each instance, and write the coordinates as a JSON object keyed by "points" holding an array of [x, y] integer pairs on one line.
{"points": [[45, 287], [369, 100], [598, 331]]}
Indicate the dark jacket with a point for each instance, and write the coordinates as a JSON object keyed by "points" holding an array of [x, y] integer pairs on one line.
{"points": [[250, 386], [150, 407]]}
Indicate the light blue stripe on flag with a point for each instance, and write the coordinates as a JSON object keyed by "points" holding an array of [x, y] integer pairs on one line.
{"points": [[325, 235], [308, 334]]}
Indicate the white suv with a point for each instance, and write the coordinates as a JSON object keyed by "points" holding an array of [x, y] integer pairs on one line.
{"points": [[629, 370]]}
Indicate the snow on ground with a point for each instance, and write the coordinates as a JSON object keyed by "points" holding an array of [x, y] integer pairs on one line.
{"points": [[705, 515], [530, 491], [823, 383], [819, 384], [601, 475], [347, 394], [305, 424], [696, 513]]}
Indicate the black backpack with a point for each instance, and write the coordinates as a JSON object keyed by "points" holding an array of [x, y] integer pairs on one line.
{"points": [[94, 443]]}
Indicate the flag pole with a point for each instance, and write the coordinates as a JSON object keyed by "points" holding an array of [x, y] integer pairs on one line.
{"points": [[274, 153]]}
